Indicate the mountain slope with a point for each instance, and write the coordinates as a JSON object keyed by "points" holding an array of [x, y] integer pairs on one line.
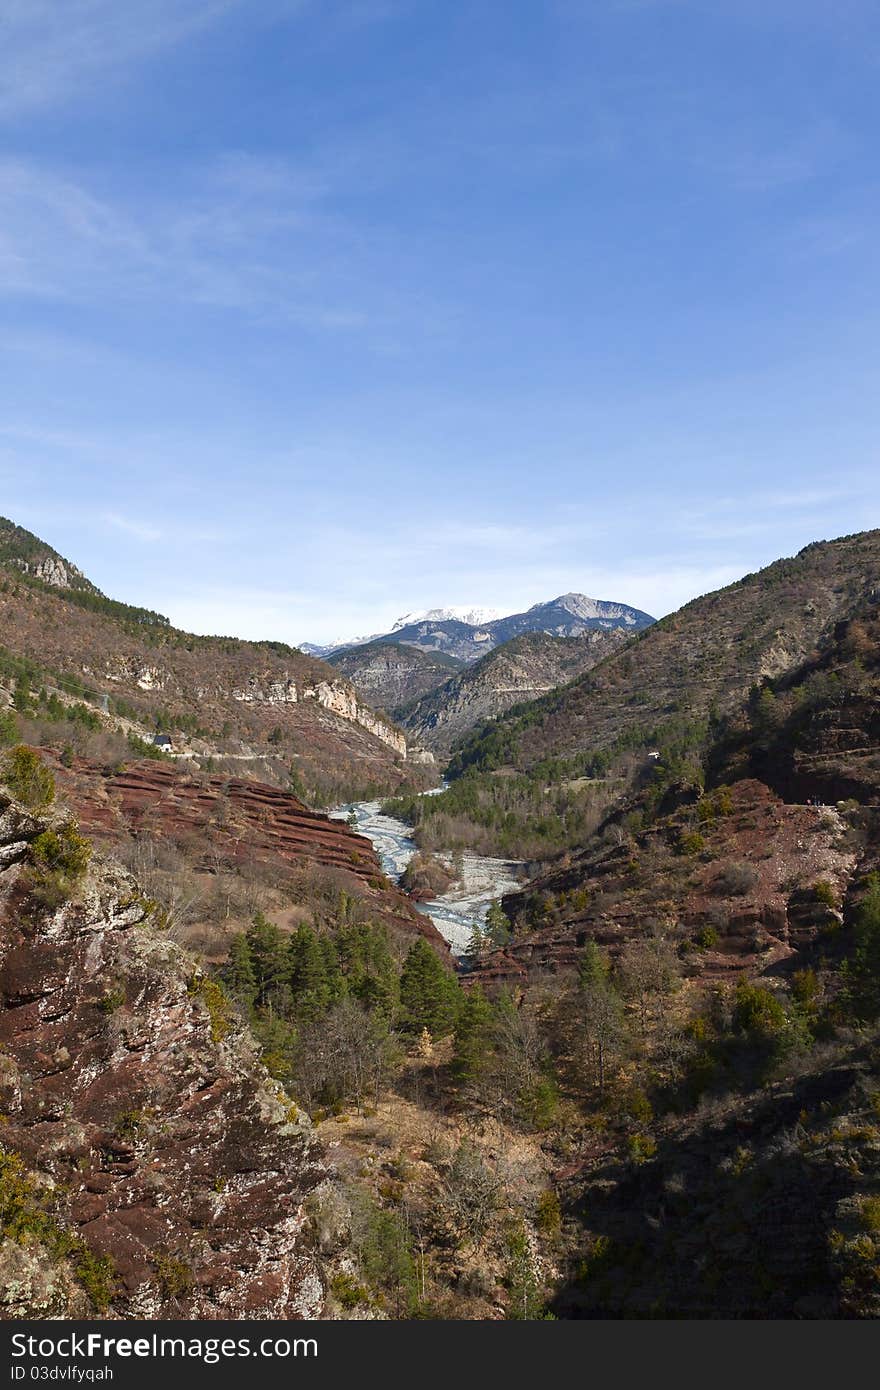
{"points": [[474, 617], [738, 936], [570, 615], [518, 670], [792, 780], [22, 550], [700, 660], [213, 847]]}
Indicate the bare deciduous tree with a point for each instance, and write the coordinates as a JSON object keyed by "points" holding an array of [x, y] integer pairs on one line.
{"points": [[471, 1194]]}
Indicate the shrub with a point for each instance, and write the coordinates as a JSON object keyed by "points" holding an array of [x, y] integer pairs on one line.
{"points": [[691, 842], [97, 1274], [174, 1276], [805, 989], [112, 1000], [706, 938], [347, 1291], [735, 879], [28, 778], [548, 1216], [63, 851], [25, 1218], [215, 1000], [59, 859], [757, 1010], [869, 1212], [641, 1147], [824, 892]]}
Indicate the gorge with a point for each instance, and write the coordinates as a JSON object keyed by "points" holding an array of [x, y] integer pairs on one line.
{"points": [[480, 880]]}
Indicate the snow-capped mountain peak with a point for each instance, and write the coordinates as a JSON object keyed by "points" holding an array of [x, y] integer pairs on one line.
{"points": [[475, 617]]}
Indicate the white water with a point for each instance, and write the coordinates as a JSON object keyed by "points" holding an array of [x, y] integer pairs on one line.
{"points": [[455, 911]]}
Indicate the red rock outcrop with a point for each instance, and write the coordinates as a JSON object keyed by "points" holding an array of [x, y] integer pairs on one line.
{"points": [[736, 882]]}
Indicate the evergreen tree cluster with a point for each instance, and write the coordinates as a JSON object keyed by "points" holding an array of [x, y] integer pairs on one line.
{"points": [[332, 1009]]}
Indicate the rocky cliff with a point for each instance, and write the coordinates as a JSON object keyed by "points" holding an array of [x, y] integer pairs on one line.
{"points": [[389, 675], [333, 695], [23, 551], [149, 1166]]}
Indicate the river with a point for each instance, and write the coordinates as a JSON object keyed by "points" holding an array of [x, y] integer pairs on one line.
{"points": [[455, 911]]}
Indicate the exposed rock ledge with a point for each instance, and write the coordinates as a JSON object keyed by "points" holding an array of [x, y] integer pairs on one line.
{"points": [[52, 570], [335, 696], [143, 1107]]}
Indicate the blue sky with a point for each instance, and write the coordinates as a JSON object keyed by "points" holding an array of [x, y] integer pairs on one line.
{"points": [[315, 313]]}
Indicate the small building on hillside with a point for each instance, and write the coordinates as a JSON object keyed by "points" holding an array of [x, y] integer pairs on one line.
{"points": [[163, 741]]}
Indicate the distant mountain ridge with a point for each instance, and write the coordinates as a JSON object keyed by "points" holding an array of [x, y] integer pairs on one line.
{"points": [[527, 666], [446, 630]]}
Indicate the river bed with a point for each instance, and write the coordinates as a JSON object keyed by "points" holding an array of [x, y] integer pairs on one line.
{"points": [[455, 911]]}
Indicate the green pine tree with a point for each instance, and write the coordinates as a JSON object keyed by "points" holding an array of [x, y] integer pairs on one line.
{"points": [[270, 963], [474, 1030], [865, 967], [239, 973], [368, 966], [594, 967], [334, 979], [477, 943], [308, 974], [429, 995], [497, 924]]}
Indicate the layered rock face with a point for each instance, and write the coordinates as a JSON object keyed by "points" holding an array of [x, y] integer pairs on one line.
{"points": [[231, 823], [179, 1171], [331, 695]]}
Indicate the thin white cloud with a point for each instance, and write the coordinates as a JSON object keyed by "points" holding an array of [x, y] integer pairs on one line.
{"points": [[244, 234], [56, 50], [142, 530], [53, 48]]}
